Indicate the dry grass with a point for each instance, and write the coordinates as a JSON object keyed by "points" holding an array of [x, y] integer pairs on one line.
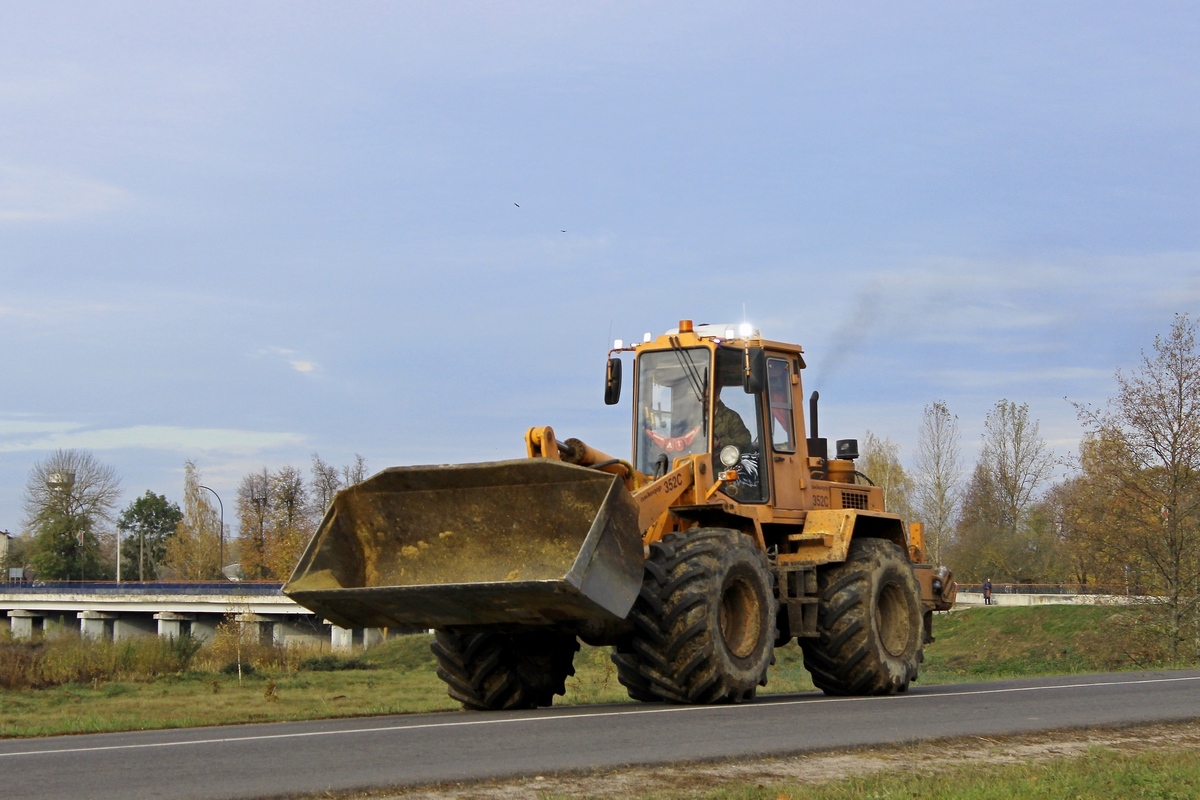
{"points": [[69, 659]]}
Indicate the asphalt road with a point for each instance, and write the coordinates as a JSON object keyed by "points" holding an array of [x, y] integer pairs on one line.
{"points": [[250, 761]]}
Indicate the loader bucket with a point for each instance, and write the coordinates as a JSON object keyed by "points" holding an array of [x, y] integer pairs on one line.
{"points": [[534, 541]]}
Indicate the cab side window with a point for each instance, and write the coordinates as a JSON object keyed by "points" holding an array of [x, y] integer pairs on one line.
{"points": [[779, 383]]}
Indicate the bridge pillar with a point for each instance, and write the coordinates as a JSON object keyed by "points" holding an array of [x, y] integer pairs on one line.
{"points": [[172, 625], [97, 624], [24, 623], [341, 640], [373, 636]]}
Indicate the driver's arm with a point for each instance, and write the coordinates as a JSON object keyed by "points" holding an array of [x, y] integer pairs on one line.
{"points": [[728, 428]]}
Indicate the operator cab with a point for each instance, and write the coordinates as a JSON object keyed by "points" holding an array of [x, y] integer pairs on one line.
{"points": [[687, 405]]}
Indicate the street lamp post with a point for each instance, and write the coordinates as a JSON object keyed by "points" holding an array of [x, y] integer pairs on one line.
{"points": [[221, 535], [260, 503]]}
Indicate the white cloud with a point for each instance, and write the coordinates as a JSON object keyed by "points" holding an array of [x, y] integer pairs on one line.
{"points": [[31, 194], [302, 365], [153, 437], [9, 427]]}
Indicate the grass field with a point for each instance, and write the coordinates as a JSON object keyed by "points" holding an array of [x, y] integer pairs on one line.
{"points": [[976, 644], [1167, 774], [1164, 771]]}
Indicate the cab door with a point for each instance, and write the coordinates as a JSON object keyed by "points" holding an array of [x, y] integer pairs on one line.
{"points": [[786, 451]]}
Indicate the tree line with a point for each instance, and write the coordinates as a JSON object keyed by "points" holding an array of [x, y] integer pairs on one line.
{"points": [[73, 525], [1126, 515]]}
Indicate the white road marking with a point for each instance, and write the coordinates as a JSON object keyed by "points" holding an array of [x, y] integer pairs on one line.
{"points": [[584, 715]]}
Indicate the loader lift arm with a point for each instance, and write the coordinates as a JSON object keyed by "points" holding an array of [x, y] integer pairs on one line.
{"points": [[654, 496]]}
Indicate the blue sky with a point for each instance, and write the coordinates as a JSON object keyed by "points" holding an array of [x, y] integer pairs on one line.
{"points": [[243, 233]]}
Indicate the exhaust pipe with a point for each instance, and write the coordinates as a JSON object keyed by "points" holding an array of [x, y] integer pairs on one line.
{"points": [[817, 447]]}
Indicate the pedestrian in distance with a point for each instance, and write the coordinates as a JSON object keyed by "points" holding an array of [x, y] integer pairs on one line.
{"points": [[987, 591]]}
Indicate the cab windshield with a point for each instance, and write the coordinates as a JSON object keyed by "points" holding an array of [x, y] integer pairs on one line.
{"points": [[672, 417]]}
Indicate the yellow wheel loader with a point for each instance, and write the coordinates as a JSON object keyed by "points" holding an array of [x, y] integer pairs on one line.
{"points": [[729, 534]]}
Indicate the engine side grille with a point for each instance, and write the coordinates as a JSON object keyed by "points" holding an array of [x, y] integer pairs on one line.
{"points": [[853, 499]]}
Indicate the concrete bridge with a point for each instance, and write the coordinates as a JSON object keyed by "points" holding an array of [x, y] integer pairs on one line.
{"points": [[123, 610]]}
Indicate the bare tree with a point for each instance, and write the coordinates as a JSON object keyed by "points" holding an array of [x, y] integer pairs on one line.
{"points": [[938, 474], [291, 526], [253, 507], [1156, 418], [194, 552], [69, 502], [1001, 532], [356, 472], [325, 484], [1017, 459], [880, 461]]}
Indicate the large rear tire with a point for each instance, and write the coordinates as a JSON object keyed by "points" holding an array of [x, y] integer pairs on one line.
{"points": [[704, 622], [499, 671], [869, 623]]}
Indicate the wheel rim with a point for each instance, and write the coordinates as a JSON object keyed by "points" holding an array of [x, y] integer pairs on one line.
{"points": [[891, 618], [741, 618]]}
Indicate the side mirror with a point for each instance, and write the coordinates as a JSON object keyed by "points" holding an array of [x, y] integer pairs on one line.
{"points": [[754, 370], [612, 382]]}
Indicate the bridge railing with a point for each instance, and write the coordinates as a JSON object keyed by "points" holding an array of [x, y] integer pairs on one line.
{"points": [[126, 588], [1131, 590], [1054, 588]]}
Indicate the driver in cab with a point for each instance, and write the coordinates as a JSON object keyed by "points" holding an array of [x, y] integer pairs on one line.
{"points": [[728, 427]]}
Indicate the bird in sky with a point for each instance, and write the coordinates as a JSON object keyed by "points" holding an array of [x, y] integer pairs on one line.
{"points": [[518, 205]]}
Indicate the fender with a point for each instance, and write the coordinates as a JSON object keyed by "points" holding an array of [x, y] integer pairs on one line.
{"points": [[828, 532]]}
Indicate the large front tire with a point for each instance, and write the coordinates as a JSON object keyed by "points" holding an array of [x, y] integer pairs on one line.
{"points": [[501, 671], [704, 622], [869, 623]]}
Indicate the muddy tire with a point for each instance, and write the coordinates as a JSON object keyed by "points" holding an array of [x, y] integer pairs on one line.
{"points": [[869, 623], [704, 621], [497, 671]]}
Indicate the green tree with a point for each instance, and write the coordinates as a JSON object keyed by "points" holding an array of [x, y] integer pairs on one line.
{"points": [[69, 503], [19, 551], [146, 524]]}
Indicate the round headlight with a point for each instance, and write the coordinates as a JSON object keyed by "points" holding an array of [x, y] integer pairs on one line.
{"points": [[730, 455]]}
